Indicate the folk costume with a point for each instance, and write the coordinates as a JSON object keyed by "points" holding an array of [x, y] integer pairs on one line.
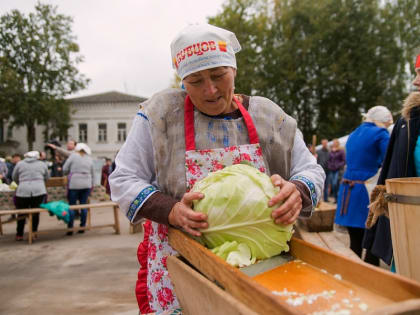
{"points": [[365, 151], [171, 145]]}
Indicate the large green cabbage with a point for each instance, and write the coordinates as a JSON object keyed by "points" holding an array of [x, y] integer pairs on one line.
{"points": [[235, 201]]}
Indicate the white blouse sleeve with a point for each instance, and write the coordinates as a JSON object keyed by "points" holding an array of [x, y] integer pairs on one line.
{"points": [[134, 180]]}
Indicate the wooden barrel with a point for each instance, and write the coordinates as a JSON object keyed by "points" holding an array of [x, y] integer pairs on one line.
{"points": [[403, 196]]}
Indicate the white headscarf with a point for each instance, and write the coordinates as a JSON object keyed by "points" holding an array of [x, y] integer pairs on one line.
{"points": [[378, 114], [32, 154], [203, 46], [83, 147]]}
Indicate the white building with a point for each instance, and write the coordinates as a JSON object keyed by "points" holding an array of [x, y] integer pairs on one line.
{"points": [[102, 121]]}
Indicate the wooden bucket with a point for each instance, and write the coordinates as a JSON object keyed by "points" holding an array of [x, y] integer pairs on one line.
{"points": [[403, 196]]}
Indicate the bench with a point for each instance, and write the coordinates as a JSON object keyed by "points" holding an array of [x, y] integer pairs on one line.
{"points": [[89, 226], [56, 190]]}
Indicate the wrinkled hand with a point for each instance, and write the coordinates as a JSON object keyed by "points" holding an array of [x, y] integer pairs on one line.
{"points": [[183, 216], [289, 211]]}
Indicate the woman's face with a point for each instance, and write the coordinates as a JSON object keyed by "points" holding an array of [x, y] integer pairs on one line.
{"points": [[416, 81], [211, 90]]}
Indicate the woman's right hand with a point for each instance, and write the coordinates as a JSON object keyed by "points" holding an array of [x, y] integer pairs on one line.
{"points": [[183, 216]]}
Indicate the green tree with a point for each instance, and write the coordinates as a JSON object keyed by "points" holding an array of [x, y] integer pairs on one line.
{"points": [[38, 59], [324, 61]]}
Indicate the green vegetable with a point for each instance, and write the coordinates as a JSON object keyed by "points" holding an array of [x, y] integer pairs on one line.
{"points": [[235, 254], [235, 201]]}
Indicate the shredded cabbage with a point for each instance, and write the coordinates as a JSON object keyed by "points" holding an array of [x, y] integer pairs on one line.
{"points": [[235, 202]]}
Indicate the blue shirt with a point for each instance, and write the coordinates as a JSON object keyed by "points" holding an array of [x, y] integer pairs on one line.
{"points": [[365, 151], [417, 156]]}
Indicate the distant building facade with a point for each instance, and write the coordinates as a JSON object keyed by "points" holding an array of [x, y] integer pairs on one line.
{"points": [[102, 121]]}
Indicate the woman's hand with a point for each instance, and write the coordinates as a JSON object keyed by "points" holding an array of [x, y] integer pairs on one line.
{"points": [[183, 216], [289, 211]]}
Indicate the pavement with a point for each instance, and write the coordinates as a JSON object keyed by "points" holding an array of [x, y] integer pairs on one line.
{"points": [[90, 273]]}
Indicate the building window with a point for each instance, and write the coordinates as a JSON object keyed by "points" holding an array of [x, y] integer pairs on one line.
{"points": [[122, 132], [83, 133], [102, 132]]}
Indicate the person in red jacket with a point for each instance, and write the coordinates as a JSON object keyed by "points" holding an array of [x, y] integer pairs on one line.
{"points": [[106, 171]]}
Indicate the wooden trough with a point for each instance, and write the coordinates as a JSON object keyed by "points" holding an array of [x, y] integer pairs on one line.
{"points": [[322, 219], [307, 280]]}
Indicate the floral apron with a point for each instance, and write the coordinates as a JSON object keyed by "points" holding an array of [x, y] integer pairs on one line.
{"points": [[159, 291]]}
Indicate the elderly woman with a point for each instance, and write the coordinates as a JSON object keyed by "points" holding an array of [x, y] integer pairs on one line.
{"points": [[30, 174], [178, 137], [79, 167], [402, 160], [365, 148]]}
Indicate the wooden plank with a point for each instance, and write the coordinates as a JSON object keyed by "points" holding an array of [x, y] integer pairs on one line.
{"points": [[116, 220], [311, 237], [379, 281], [303, 280], [404, 222], [73, 207], [409, 307], [231, 279], [56, 181], [30, 229], [334, 244], [199, 296], [89, 226]]}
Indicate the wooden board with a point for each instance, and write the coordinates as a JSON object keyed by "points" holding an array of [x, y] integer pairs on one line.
{"points": [[405, 221], [312, 289], [198, 296], [322, 218], [233, 281], [380, 284], [56, 181], [326, 240], [377, 280]]}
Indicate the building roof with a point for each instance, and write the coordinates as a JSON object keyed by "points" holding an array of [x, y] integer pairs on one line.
{"points": [[107, 97]]}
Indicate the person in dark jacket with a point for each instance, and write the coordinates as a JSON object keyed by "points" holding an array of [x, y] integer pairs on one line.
{"points": [[400, 161], [322, 156], [336, 162], [15, 159]]}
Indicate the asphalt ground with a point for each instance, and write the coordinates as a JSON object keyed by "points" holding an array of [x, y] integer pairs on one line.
{"points": [[90, 273]]}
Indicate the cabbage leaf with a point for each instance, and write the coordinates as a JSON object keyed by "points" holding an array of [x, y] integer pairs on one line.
{"points": [[235, 202]]}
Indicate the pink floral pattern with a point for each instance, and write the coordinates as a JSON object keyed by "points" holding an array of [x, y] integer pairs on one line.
{"points": [[202, 162], [198, 164], [165, 297]]}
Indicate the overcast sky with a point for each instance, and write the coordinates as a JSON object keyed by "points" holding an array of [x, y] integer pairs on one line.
{"points": [[125, 43]]}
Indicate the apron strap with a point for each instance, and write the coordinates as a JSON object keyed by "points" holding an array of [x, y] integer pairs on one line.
{"points": [[189, 124]]}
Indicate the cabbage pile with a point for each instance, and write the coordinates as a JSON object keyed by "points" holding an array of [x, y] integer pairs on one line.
{"points": [[241, 229]]}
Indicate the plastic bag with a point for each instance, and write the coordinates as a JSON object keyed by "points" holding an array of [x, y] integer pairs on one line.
{"points": [[59, 208]]}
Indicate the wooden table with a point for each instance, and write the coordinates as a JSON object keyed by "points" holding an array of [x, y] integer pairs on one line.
{"points": [[206, 284]]}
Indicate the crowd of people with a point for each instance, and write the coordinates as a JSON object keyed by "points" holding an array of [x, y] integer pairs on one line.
{"points": [[31, 173], [333, 160]]}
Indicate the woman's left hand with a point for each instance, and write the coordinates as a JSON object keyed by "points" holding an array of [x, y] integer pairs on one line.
{"points": [[290, 209]]}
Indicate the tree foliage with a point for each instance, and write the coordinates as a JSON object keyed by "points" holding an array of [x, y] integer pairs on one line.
{"points": [[38, 58], [326, 61]]}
